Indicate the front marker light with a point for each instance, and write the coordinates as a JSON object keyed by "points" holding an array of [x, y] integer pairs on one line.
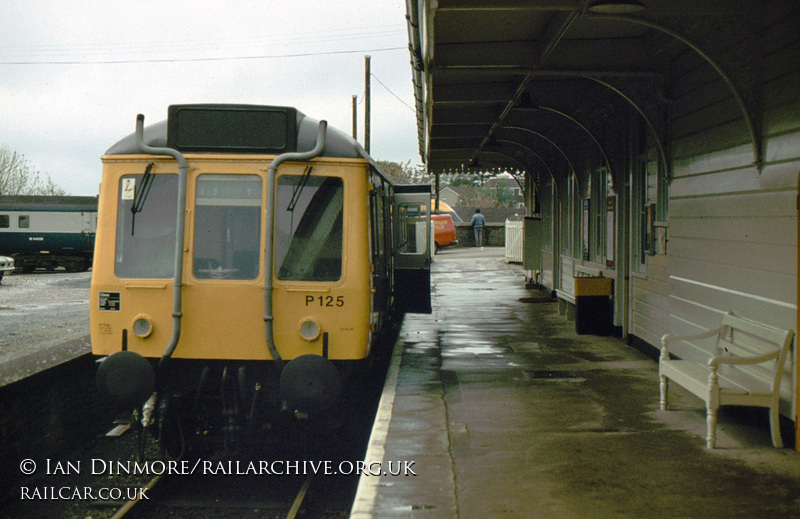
{"points": [[142, 326], [309, 329]]}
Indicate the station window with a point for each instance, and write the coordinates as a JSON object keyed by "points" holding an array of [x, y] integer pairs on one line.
{"points": [[576, 214], [639, 218], [566, 217], [587, 228], [227, 227], [599, 185], [145, 242], [309, 212], [24, 221], [545, 196]]}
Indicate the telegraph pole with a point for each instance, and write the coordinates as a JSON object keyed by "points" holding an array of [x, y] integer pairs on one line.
{"points": [[366, 102], [355, 118]]}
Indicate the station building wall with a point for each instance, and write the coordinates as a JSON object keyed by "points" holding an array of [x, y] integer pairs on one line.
{"points": [[732, 229], [724, 231]]}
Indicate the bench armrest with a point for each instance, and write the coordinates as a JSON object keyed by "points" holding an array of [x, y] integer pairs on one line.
{"points": [[719, 359], [667, 338]]}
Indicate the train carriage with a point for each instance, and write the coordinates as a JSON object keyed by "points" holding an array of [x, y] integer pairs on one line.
{"points": [[249, 252], [48, 231]]}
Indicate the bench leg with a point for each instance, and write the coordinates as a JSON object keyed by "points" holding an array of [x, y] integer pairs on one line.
{"points": [[711, 424], [712, 405], [775, 427], [664, 387]]}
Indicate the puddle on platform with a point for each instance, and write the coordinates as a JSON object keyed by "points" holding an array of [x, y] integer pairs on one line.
{"points": [[487, 349]]}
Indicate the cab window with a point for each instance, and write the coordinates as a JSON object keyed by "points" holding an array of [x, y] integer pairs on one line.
{"points": [[145, 242], [308, 228]]}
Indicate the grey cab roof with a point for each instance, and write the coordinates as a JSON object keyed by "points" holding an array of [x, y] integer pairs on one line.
{"points": [[338, 144]]}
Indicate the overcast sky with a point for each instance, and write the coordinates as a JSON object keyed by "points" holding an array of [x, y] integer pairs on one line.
{"points": [[73, 75]]}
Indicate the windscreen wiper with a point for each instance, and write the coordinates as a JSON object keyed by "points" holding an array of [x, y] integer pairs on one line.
{"points": [[141, 192], [298, 189]]}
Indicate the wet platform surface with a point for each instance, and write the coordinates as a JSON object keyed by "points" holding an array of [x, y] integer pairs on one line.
{"points": [[507, 412]]}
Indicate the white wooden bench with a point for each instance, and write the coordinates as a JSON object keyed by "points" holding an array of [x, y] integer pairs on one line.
{"points": [[745, 369]]}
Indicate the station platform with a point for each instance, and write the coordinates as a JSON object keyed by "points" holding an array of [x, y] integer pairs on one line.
{"points": [[506, 412]]}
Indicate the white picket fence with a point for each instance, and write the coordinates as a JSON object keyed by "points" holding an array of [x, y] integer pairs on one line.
{"points": [[513, 241]]}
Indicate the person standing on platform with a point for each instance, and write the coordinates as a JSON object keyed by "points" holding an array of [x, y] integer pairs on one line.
{"points": [[478, 222]]}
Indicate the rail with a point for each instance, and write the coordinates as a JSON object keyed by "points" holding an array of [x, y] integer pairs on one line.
{"points": [[125, 508], [128, 506]]}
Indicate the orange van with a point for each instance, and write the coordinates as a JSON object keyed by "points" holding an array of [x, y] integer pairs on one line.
{"points": [[444, 231]]}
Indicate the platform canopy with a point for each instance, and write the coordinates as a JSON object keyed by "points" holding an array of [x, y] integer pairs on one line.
{"points": [[545, 83]]}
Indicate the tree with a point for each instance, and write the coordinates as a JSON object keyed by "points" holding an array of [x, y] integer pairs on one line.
{"points": [[462, 181], [503, 196], [404, 173], [18, 176], [479, 196]]}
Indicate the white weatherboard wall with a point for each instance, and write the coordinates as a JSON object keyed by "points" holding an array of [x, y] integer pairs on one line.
{"points": [[732, 236]]}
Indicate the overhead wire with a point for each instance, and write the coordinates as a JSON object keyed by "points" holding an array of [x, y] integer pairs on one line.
{"points": [[190, 60], [181, 45], [60, 54], [390, 91]]}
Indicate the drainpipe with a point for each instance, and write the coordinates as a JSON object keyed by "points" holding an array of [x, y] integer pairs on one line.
{"points": [[180, 223], [269, 246]]}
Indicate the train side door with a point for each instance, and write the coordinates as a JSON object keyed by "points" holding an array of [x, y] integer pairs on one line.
{"points": [[412, 249], [89, 229]]}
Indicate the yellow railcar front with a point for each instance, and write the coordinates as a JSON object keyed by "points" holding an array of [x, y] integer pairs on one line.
{"points": [[321, 297], [243, 270]]}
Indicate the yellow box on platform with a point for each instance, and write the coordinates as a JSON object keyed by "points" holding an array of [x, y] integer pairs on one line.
{"points": [[593, 286]]}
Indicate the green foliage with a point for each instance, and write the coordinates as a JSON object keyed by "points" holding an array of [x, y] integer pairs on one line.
{"points": [[487, 196], [404, 173], [503, 196], [478, 189], [462, 182]]}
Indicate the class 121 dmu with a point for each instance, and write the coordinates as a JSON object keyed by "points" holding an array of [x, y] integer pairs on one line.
{"points": [[247, 260]]}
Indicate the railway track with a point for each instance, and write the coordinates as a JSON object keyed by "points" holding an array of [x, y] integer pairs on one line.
{"points": [[128, 506], [49, 423], [80, 481], [88, 482], [306, 475], [83, 480], [169, 503]]}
